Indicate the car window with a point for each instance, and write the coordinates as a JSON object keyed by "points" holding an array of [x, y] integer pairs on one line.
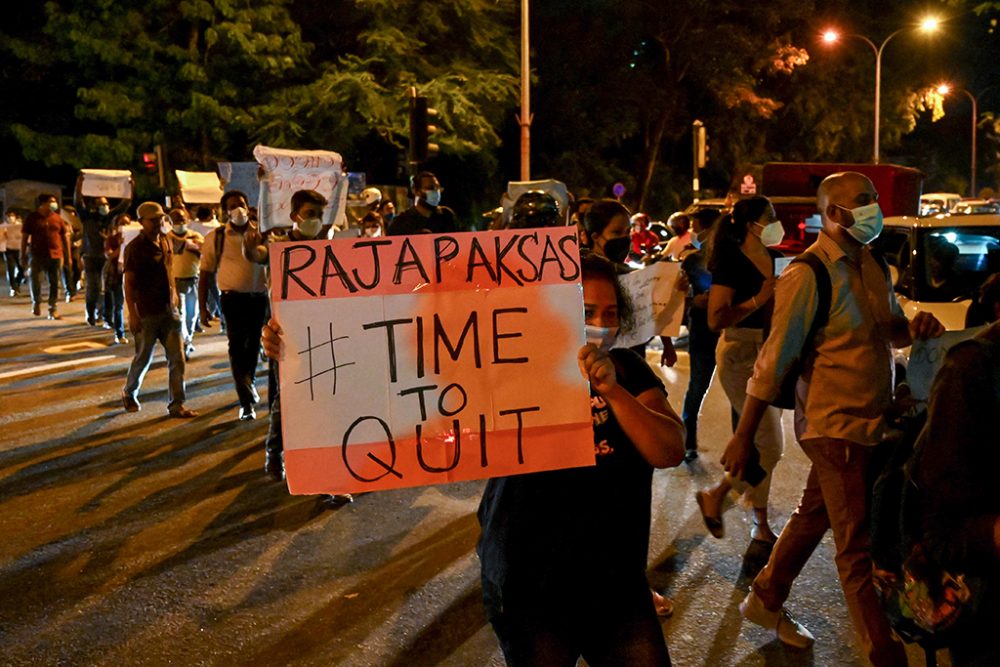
{"points": [[955, 262]]}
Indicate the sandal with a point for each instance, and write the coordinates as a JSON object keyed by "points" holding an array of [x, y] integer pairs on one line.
{"points": [[713, 523]]}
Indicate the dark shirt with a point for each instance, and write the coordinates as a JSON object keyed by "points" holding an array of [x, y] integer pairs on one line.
{"points": [[410, 221], [547, 532], [95, 227], [46, 234], [149, 262], [736, 271]]}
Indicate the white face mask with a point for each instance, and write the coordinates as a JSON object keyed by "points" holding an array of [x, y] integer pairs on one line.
{"points": [[867, 223], [432, 197], [164, 227], [772, 234], [309, 227], [238, 216], [373, 232], [602, 337], [53, 206], [103, 209], [179, 229]]}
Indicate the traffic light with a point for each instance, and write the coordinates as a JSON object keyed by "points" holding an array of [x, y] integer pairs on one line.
{"points": [[421, 129], [150, 162], [700, 144]]}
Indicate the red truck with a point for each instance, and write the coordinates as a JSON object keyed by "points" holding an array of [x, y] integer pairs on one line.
{"points": [[791, 186]]}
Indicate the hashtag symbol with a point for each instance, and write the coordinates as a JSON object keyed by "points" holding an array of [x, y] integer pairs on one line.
{"points": [[310, 348]]}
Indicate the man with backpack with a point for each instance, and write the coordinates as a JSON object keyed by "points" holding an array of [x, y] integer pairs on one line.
{"points": [[841, 396]]}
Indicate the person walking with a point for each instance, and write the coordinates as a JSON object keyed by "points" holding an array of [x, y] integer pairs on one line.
{"points": [[186, 247], [49, 238]]}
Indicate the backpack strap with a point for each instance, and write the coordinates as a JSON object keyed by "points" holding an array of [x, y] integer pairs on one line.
{"points": [[824, 293], [220, 244]]}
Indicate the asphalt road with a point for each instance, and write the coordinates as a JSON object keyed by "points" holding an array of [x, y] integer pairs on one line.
{"points": [[135, 539]]}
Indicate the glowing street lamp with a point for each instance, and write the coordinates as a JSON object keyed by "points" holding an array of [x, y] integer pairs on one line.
{"points": [[927, 25], [945, 89]]}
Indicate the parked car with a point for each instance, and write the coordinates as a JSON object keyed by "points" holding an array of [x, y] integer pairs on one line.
{"points": [[933, 203], [967, 206], [937, 264]]}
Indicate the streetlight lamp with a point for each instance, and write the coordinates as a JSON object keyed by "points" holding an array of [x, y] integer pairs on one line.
{"points": [[945, 89], [927, 25]]}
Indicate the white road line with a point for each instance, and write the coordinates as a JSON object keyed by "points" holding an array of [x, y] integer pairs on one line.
{"points": [[58, 364]]}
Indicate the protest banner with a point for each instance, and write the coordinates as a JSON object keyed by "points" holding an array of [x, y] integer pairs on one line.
{"points": [[926, 357], [658, 304], [241, 176], [427, 359], [110, 183], [285, 172], [199, 187]]}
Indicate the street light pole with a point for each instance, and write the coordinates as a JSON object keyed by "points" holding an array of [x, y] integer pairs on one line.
{"points": [[525, 118], [944, 89]]}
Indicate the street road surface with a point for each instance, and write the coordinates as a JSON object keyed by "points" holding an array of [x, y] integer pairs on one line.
{"points": [[135, 539]]}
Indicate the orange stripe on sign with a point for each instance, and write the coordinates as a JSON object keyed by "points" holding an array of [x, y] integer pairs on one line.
{"points": [[466, 261], [380, 466]]}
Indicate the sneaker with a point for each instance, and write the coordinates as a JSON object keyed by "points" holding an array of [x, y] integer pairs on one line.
{"points": [[247, 413], [53, 315], [13, 292], [183, 413], [69, 298], [337, 499], [690, 455], [121, 340], [789, 631], [188, 351], [130, 403]]}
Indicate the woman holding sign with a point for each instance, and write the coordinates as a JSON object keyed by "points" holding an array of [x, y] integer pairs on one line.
{"points": [[740, 301], [564, 552]]}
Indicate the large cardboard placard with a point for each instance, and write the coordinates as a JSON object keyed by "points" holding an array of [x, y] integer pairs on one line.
{"points": [[110, 183], [199, 187], [658, 304], [287, 171], [429, 359], [926, 357]]}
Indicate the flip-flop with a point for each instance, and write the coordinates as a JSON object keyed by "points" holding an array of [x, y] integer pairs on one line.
{"points": [[713, 523]]}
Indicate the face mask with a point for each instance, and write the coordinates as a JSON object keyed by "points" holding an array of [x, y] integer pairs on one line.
{"points": [[388, 217], [53, 206], [103, 209], [238, 216], [164, 227], [696, 242], [867, 223], [309, 227], [772, 234], [373, 232], [179, 229], [617, 249], [602, 337], [432, 198]]}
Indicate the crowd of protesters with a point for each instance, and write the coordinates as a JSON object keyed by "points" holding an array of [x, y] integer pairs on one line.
{"points": [[173, 273]]}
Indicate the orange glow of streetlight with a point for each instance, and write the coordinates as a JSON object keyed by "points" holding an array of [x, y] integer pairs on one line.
{"points": [[930, 24], [831, 36], [943, 89]]}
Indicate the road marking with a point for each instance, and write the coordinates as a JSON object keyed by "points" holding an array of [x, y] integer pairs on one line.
{"points": [[59, 364], [68, 348]]}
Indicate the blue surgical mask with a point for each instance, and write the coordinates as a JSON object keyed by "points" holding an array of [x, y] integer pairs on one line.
{"points": [[602, 337], [867, 223], [432, 197]]}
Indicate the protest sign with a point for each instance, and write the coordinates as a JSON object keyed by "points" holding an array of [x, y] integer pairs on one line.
{"points": [[658, 304], [926, 357], [285, 172], [110, 183], [199, 187], [241, 176], [416, 360]]}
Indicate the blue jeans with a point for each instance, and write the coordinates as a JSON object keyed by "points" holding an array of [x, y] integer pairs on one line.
{"points": [[165, 328], [187, 292], [52, 268], [114, 305], [701, 351], [94, 268]]}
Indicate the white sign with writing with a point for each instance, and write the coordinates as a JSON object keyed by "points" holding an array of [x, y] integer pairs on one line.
{"points": [[199, 187], [110, 183], [926, 357], [658, 304], [285, 172]]}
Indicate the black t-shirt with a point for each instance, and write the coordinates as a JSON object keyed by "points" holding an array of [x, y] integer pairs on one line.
{"points": [[440, 221], [149, 261], [550, 531], [736, 271], [94, 224]]}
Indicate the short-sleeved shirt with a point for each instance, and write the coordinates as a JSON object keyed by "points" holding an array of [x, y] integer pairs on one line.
{"points": [[736, 271], [233, 271], [95, 228], [587, 526], [46, 234], [186, 261], [149, 261], [410, 221]]}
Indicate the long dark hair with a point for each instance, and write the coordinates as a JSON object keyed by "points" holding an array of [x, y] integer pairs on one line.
{"points": [[600, 215], [596, 267], [734, 226]]}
